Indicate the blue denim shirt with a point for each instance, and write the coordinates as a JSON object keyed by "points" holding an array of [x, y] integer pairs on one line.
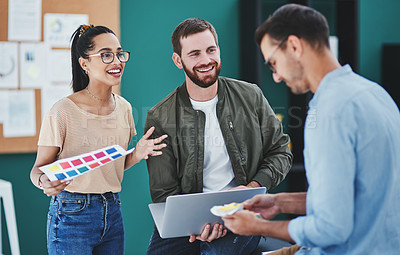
{"points": [[352, 161]]}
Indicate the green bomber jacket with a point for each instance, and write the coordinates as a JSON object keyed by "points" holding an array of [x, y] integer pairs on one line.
{"points": [[257, 147]]}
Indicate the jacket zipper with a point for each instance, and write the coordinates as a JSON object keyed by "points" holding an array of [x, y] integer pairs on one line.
{"points": [[196, 163], [230, 124]]}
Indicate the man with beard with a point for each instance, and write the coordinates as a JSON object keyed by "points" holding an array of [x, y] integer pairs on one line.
{"points": [[351, 149], [222, 134]]}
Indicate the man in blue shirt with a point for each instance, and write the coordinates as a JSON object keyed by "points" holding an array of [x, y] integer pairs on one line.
{"points": [[351, 150]]}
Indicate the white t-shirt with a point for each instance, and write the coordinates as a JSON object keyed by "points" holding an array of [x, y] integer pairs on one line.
{"points": [[217, 172]]}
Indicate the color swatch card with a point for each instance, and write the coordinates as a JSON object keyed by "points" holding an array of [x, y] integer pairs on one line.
{"points": [[70, 168]]}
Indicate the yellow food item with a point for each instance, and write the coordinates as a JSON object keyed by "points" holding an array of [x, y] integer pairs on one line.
{"points": [[230, 206]]}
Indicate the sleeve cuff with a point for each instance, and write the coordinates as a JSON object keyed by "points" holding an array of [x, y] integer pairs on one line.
{"points": [[296, 230]]}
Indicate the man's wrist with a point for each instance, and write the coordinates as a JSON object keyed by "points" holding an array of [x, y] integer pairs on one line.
{"points": [[253, 184]]}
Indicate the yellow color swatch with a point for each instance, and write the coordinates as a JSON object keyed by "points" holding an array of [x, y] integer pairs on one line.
{"points": [[54, 168]]}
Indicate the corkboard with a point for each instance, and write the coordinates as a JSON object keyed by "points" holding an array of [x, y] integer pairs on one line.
{"points": [[101, 12]]}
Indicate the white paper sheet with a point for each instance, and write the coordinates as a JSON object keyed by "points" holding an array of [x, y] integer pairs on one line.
{"points": [[8, 65], [51, 94], [3, 105], [24, 20], [58, 28], [60, 69], [33, 65], [21, 117]]}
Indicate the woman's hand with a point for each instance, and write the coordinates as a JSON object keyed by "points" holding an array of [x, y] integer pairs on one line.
{"points": [[52, 188]]}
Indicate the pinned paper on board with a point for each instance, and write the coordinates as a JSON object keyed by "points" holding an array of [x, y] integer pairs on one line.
{"points": [[33, 59], [9, 65], [58, 28], [20, 118], [70, 168], [24, 20]]}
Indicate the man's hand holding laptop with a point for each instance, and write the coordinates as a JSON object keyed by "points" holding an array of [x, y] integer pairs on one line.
{"points": [[218, 229]]}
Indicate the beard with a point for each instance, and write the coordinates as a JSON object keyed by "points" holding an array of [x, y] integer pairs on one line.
{"points": [[296, 80], [206, 81]]}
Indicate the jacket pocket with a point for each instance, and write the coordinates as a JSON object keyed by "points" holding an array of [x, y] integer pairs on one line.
{"points": [[231, 128]]}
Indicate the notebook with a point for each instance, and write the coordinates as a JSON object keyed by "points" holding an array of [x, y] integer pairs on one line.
{"points": [[183, 215]]}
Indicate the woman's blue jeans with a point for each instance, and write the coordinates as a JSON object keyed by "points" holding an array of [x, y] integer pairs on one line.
{"points": [[85, 224], [230, 244]]}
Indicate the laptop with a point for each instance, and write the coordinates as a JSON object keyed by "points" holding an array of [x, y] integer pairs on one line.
{"points": [[183, 215]]}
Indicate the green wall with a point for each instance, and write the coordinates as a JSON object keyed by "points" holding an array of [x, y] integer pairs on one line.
{"points": [[146, 27], [379, 23], [30, 204]]}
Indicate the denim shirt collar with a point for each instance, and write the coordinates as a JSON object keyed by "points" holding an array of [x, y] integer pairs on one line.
{"points": [[327, 80]]}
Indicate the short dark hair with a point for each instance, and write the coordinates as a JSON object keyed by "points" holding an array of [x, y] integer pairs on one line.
{"points": [[189, 27], [293, 19], [82, 43]]}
